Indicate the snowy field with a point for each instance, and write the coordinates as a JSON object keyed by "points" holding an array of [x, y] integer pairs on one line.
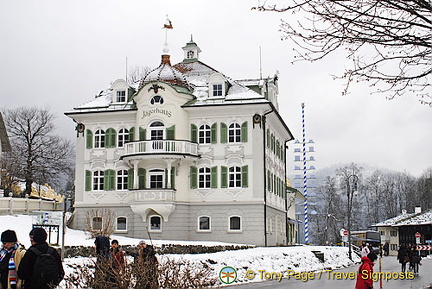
{"points": [[271, 259]]}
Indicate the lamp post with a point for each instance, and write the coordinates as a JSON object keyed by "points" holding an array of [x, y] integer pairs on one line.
{"points": [[352, 179]]}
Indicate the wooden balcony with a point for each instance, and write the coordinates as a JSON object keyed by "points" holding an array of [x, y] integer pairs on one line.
{"points": [[161, 147]]}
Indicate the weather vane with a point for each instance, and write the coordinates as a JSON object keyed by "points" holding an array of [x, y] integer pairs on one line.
{"points": [[167, 25]]}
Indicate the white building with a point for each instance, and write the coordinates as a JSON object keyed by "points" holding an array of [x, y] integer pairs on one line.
{"points": [[189, 154]]}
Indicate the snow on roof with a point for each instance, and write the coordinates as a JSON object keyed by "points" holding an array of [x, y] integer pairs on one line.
{"points": [[407, 220], [102, 100], [417, 219]]}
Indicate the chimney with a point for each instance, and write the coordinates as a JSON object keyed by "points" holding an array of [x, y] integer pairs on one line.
{"points": [[417, 210]]}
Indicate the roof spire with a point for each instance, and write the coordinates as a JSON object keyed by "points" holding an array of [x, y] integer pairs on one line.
{"points": [[167, 25]]}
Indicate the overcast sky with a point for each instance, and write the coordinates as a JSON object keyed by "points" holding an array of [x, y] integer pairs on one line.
{"points": [[59, 54]]}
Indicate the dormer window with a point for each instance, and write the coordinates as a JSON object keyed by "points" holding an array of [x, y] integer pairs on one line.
{"points": [[121, 96], [217, 90], [157, 99]]}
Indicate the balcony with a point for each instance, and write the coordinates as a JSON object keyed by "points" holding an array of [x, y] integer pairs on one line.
{"points": [[152, 195], [160, 147]]}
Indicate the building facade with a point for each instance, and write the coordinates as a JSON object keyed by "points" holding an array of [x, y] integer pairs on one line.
{"points": [[188, 154]]}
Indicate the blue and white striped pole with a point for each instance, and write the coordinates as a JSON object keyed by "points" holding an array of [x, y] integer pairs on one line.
{"points": [[306, 221]]}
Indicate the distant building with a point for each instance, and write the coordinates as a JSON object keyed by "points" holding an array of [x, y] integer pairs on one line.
{"points": [[189, 154], [402, 229]]}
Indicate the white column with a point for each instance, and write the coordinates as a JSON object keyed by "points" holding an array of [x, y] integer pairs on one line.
{"points": [[135, 168], [169, 168]]}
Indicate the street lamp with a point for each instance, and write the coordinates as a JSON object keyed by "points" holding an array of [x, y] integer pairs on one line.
{"points": [[352, 179]]}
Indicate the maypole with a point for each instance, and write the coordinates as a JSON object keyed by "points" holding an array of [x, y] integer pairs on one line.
{"points": [[306, 221]]}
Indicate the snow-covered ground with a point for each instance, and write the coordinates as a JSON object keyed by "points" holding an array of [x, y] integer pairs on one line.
{"points": [[271, 259]]}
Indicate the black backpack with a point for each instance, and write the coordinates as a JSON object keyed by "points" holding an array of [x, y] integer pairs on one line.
{"points": [[46, 271]]}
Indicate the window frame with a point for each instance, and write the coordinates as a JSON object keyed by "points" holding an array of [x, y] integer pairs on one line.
{"points": [[200, 229], [98, 180], [121, 98], [235, 177], [150, 223], [206, 173], [234, 133], [155, 173], [117, 224], [204, 134], [217, 90], [122, 137], [99, 139], [230, 229], [122, 180]]}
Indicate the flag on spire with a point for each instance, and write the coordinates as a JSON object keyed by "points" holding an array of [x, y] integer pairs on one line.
{"points": [[168, 24]]}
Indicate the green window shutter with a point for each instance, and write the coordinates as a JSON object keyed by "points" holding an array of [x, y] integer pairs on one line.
{"points": [[224, 177], [88, 180], [110, 137], [245, 176], [214, 177], [214, 133], [141, 178], [244, 132], [130, 179], [268, 181], [89, 141], [109, 177], [193, 177], [142, 133], [194, 133], [132, 134], [223, 132], [173, 178], [170, 132]]}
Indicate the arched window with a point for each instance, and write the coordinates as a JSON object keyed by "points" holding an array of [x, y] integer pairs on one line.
{"points": [[99, 138], [97, 223], [156, 178], [155, 223], [235, 223], [235, 177], [234, 133], [98, 180], [204, 134], [204, 178], [204, 223], [121, 224], [122, 180], [157, 129], [123, 137]]}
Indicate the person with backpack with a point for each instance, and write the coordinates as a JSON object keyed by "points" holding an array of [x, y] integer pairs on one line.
{"points": [[41, 266], [11, 254]]}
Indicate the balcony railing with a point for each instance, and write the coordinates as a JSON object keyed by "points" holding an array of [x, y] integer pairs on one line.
{"points": [[161, 147], [154, 195]]}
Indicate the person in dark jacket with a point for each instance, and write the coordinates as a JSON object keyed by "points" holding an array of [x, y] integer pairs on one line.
{"points": [[147, 266], [38, 238], [364, 277], [403, 257]]}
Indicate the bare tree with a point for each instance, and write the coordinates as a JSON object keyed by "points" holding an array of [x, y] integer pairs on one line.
{"points": [[100, 222], [38, 155], [136, 74], [388, 42]]}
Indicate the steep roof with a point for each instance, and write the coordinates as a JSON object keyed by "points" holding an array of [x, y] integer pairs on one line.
{"points": [[407, 219]]}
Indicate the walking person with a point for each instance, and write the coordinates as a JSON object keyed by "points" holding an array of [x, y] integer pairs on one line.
{"points": [[403, 257], [415, 260], [41, 267], [146, 265], [11, 254], [364, 277]]}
